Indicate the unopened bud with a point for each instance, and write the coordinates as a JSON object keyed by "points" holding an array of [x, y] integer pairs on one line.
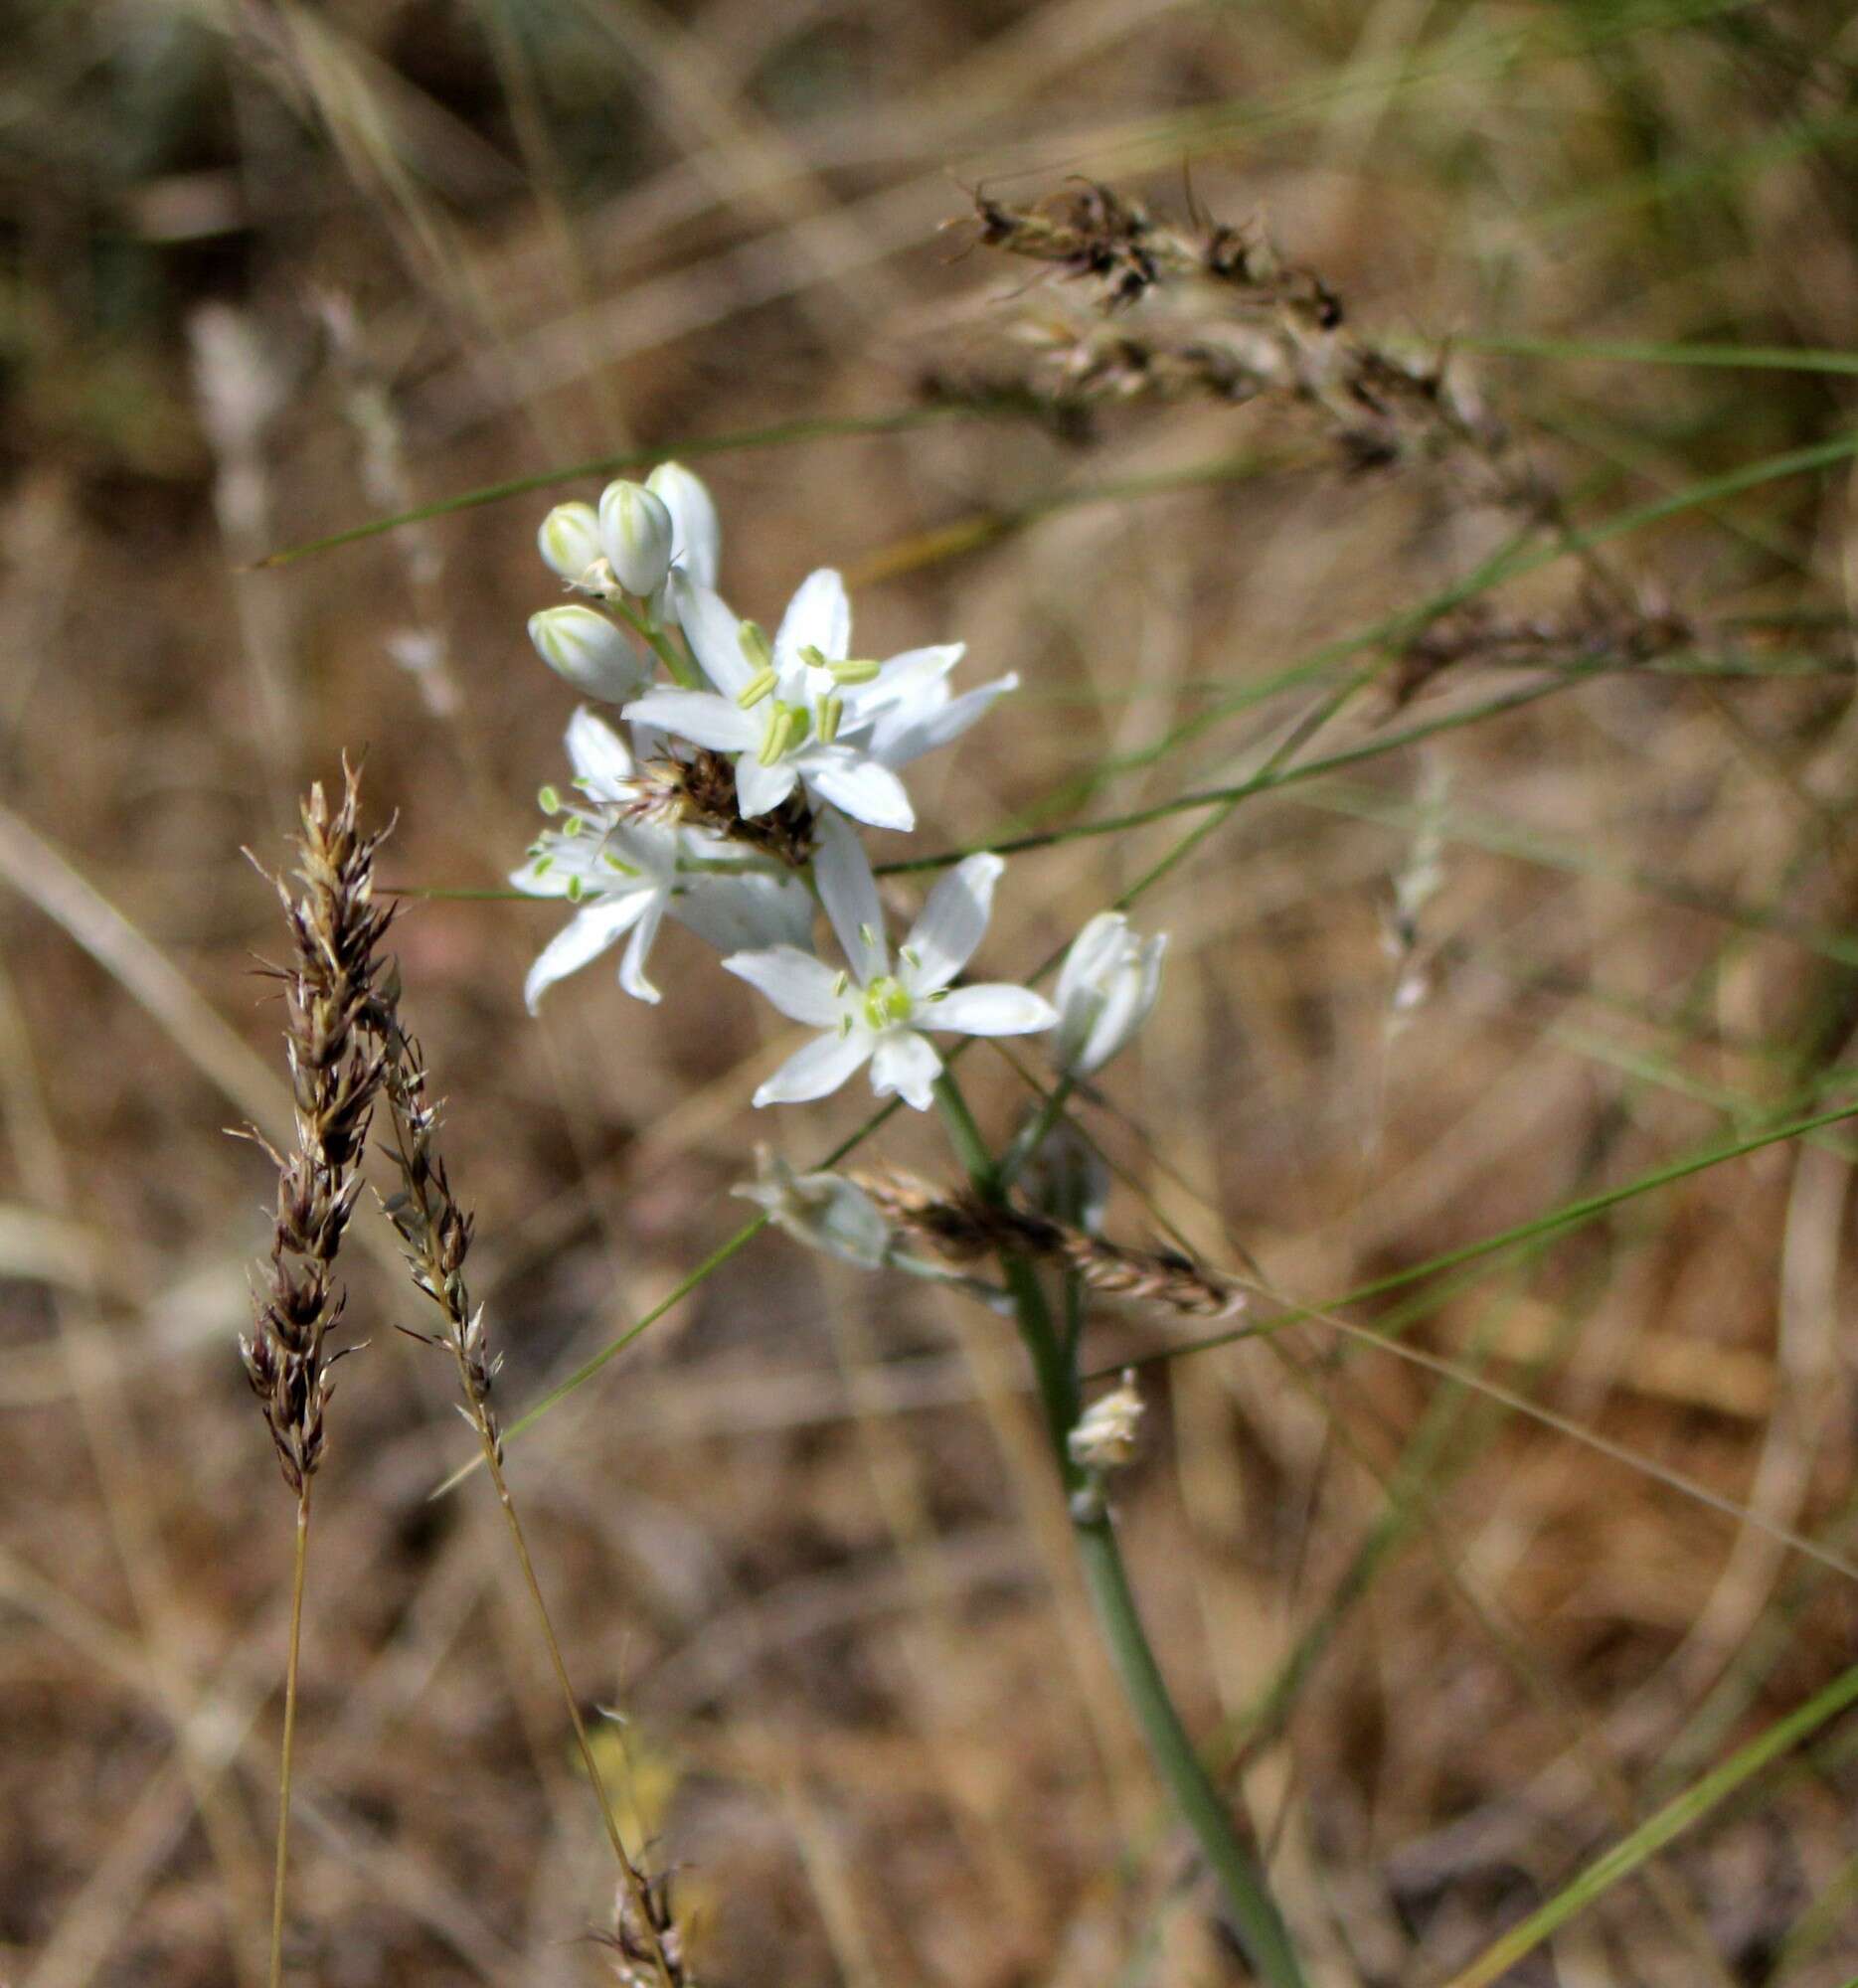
{"points": [[1105, 990], [570, 540], [636, 531], [698, 535], [1106, 1436], [587, 649], [824, 1211]]}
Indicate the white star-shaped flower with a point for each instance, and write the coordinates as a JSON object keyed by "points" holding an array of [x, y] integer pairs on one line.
{"points": [[872, 1013], [804, 712], [625, 874]]}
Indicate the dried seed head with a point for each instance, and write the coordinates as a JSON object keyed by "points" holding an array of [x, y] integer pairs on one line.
{"points": [[333, 982], [962, 1226]]}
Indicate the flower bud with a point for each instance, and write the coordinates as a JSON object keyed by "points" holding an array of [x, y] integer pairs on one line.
{"points": [[636, 531], [1106, 988], [587, 649], [698, 537], [824, 1211], [1106, 1436], [570, 540]]}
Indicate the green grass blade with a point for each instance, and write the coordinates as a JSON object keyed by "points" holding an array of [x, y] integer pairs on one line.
{"points": [[1650, 352], [1678, 1815], [778, 434]]}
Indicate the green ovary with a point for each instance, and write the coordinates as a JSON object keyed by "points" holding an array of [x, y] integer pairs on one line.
{"points": [[887, 1002]]}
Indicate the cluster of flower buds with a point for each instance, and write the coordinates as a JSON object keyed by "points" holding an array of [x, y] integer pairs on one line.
{"points": [[736, 801]]}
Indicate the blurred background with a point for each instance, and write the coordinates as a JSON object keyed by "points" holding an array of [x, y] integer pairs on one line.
{"points": [[1576, 905]]}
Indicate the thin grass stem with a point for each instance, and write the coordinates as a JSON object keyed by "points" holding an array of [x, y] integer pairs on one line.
{"points": [[301, 1560]]}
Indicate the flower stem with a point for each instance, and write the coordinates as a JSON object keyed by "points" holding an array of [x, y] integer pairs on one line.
{"points": [[1257, 1921], [661, 643], [290, 1726]]}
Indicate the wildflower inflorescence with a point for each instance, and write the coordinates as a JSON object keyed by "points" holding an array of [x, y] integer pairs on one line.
{"points": [[334, 982]]}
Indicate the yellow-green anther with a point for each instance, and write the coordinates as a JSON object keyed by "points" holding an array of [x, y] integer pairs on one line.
{"points": [[575, 890], [840, 981], [548, 801], [757, 688], [854, 671], [571, 827], [831, 710], [755, 646], [785, 724]]}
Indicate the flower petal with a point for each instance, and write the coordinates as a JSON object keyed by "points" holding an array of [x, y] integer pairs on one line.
{"points": [[759, 789], [744, 913], [699, 716], [713, 631], [909, 730], [943, 938], [821, 1066], [584, 936], [599, 756], [803, 988], [818, 616], [632, 966], [849, 892], [856, 787], [907, 677], [905, 1065], [995, 1008]]}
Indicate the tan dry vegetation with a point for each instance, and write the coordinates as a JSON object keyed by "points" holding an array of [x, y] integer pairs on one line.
{"points": [[273, 271]]}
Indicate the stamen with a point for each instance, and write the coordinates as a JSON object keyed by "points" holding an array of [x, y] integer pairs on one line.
{"points": [[757, 688]]}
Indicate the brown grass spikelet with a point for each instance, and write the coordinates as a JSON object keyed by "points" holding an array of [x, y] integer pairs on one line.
{"points": [[646, 1932], [1225, 316], [963, 1227], [334, 983], [435, 1231]]}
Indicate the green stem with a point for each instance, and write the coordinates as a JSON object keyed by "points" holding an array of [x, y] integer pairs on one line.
{"points": [[681, 674], [1035, 1130], [1255, 1920]]}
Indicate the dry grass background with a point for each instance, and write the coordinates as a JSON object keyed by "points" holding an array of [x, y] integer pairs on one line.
{"points": [[273, 269]]}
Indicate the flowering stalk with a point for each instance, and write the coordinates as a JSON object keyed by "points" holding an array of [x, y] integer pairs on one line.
{"points": [[1256, 1921], [332, 985], [785, 748]]}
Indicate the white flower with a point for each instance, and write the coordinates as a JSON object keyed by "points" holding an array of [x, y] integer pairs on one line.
{"points": [[1106, 988], [637, 534], [806, 712], [625, 874], [591, 652], [780, 712], [872, 1014], [570, 540]]}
